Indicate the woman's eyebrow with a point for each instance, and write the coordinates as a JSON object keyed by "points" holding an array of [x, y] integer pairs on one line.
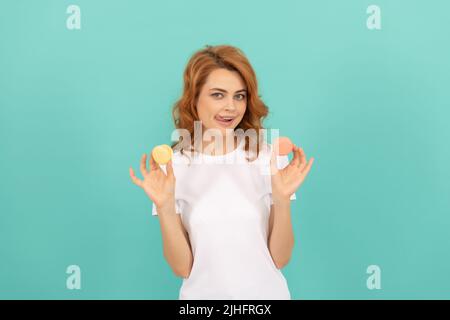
{"points": [[223, 90]]}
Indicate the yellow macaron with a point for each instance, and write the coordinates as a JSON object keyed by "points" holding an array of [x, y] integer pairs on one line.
{"points": [[162, 153]]}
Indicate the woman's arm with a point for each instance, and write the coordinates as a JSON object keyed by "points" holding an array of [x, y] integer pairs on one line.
{"points": [[160, 187], [284, 184], [281, 235], [176, 246]]}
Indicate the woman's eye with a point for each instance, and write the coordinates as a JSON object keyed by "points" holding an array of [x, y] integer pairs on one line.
{"points": [[218, 93]]}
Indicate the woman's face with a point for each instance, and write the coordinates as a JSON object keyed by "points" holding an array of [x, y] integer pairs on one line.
{"points": [[224, 96]]}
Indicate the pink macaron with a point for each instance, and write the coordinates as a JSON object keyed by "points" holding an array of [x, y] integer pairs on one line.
{"points": [[285, 146]]}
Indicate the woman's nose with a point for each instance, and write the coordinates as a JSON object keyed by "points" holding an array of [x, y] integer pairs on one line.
{"points": [[230, 105]]}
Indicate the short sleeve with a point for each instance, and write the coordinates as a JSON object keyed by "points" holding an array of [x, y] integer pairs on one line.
{"points": [[282, 162]]}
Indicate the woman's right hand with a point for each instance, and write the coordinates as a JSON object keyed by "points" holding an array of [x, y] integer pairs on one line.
{"points": [[160, 187]]}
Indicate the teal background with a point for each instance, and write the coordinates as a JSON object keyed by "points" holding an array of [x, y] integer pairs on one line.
{"points": [[79, 107]]}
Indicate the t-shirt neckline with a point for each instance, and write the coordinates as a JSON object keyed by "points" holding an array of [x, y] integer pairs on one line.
{"points": [[221, 156]]}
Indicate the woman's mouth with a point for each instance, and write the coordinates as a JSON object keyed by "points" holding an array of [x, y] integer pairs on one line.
{"points": [[224, 121]]}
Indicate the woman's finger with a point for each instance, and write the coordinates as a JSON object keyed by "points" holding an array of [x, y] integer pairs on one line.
{"points": [[143, 165], [308, 167], [273, 162], [169, 168], [302, 159], [135, 180], [153, 165], [296, 159]]}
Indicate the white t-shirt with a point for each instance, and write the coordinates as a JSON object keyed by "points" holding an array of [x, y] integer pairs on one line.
{"points": [[224, 202]]}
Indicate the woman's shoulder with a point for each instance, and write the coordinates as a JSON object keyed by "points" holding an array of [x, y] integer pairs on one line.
{"points": [[180, 157]]}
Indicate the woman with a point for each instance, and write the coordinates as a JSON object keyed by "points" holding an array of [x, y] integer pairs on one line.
{"points": [[225, 220]]}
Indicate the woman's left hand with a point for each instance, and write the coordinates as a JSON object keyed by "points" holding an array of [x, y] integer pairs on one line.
{"points": [[286, 181]]}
